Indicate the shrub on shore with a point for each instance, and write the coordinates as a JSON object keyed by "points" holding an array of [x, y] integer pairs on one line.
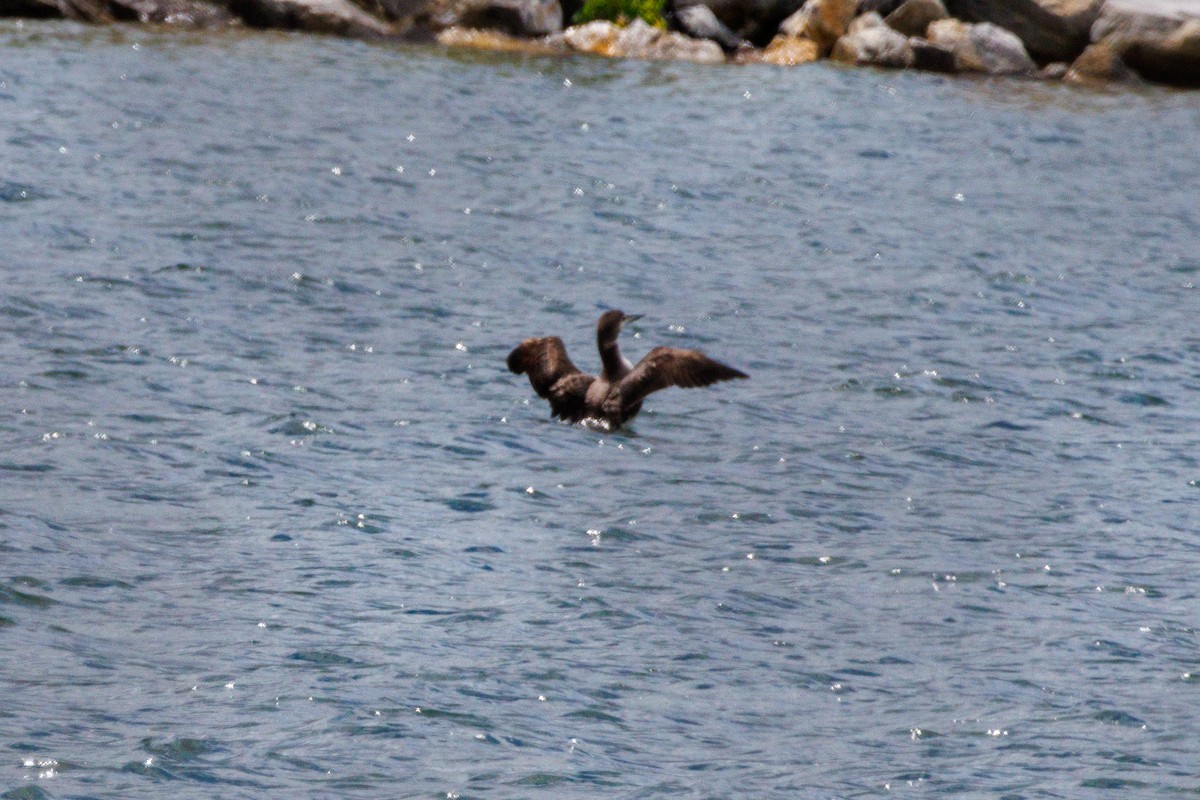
{"points": [[623, 11]]}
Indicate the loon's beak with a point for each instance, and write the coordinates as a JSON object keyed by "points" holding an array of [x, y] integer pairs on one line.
{"points": [[631, 318]]}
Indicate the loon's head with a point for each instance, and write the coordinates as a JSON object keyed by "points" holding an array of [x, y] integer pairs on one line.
{"points": [[610, 324]]}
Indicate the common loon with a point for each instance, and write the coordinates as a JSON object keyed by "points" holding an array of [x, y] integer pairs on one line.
{"points": [[615, 397]]}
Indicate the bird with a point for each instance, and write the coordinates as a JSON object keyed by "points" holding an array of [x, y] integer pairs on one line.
{"points": [[614, 397]]}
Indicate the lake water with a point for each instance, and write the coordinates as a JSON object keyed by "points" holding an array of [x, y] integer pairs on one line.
{"points": [[276, 521]]}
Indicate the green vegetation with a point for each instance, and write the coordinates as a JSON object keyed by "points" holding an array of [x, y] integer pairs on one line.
{"points": [[622, 11]]}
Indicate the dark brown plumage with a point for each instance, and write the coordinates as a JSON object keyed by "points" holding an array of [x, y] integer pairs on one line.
{"points": [[615, 396]]}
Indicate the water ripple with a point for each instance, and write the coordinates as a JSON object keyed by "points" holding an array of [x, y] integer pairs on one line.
{"points": [[269, 488]]}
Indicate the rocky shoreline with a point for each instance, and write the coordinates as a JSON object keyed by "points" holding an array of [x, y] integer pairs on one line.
{"points": [[1081, 41]]}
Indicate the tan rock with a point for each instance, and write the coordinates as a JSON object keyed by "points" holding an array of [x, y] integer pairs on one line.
{"points": [[871, 41], [913, 17], [478, 39], [788, 51], [640, 40], [822, 21], [1158, 39], [598, 37], [1100, 63], [1054, 71], [672, 46], [1186, 39], [748, 55], [1174, 59], [637, 38]]}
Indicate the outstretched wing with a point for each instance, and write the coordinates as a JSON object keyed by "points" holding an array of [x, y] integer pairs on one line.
{"points": [[671, 366], [552, 375], [545, 360]]}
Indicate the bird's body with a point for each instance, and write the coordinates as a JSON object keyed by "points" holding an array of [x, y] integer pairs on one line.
{"points": [[615, 395]]}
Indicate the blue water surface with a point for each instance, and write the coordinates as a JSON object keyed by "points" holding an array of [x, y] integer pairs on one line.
{"points": [[276, 521]]}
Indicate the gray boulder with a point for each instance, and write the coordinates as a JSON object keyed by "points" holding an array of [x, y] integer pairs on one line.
{"points": [[913, 17], [515, 17], [753, 20], [320, 16], [871, 41], [1051, 30], [673, 46], [637, 38], [1142, 19], [81, 10], [982, 47], [403, 11], [930, 57], [700, 22], [191, 13]]}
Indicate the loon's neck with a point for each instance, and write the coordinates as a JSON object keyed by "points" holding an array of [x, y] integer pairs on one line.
{"points": [[615, 366]]}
